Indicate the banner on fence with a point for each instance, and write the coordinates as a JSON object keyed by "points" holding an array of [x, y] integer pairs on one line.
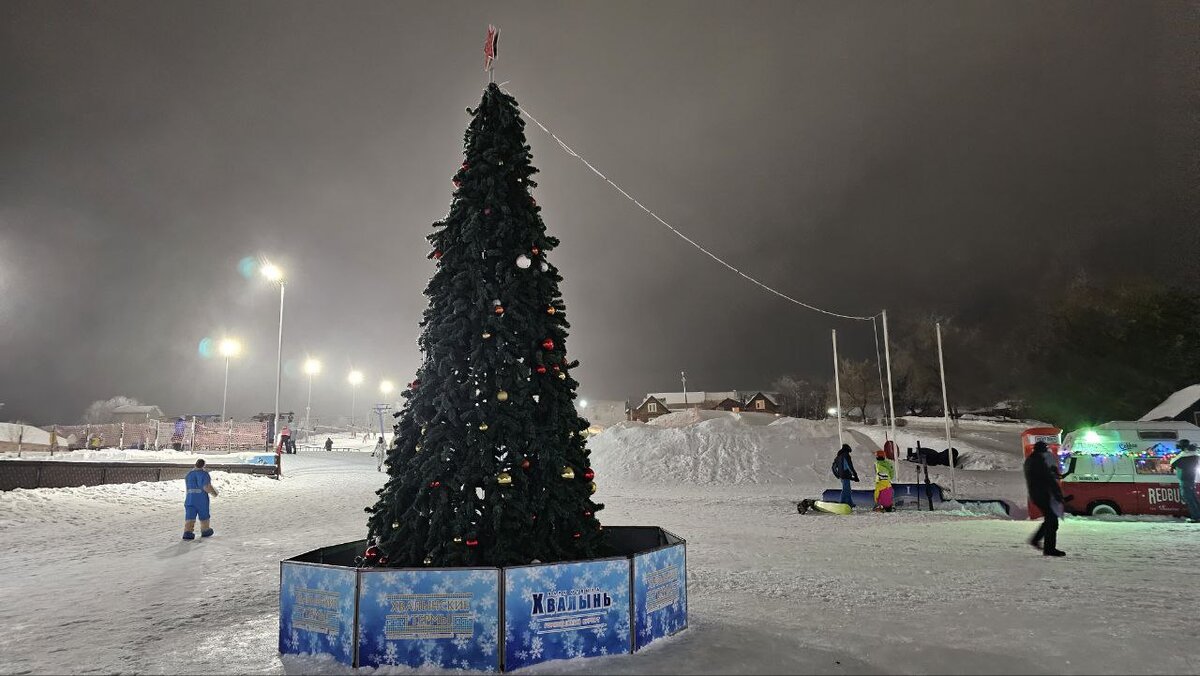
{"points": [[421, 618], [659, 594], [316, 610], [566, 610]]}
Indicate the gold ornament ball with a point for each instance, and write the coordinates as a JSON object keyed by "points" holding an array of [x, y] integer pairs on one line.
{"points": [[567, 472], [483, 427], [395, 524], [562, 375], [550, 310], [502, 396], [486, 335], [592, 486], [504, 478], [458, 540], [428, 561]]}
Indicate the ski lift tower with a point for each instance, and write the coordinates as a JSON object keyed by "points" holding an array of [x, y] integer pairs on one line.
{"points": [[380, 409]]}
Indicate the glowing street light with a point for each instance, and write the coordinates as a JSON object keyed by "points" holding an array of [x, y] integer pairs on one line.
{"points": [[273, 273], [229, 349], [831, 410], [311, 367], [386, 386], [355, 379], [583, 403]]}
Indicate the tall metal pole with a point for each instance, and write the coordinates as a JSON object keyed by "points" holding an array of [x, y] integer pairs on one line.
{"points": [[683, 377], [945, 406], [837, 388], [279, 362], [887, 353], [308, 406], [225, 397], [353, 404]]}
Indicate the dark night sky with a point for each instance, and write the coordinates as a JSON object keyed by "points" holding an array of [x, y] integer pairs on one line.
{"points": [[977, 150]]}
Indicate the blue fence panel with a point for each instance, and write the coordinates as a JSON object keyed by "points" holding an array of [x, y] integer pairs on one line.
{"points": [[316, 610], [446, 618], [566, 610], [659, 594]]}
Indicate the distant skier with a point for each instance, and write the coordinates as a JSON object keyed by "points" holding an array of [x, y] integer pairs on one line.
{"points": [[1041, 477], [195, 505], [843, 468], [328, 444], [1185, 465], [885, 474], [379, 452]]}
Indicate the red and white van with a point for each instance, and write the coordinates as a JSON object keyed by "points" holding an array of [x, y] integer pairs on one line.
{"points": [[1124, 468]]}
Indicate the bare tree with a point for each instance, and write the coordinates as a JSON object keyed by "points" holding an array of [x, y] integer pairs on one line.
{"points": [[860, 385], [101, 410], [800, 398]]}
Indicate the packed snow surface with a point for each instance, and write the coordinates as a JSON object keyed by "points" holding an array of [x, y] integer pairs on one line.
{"points": [[97, 580]]}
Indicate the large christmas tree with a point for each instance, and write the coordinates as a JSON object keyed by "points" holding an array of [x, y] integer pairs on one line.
{"points": [[489, 464]]}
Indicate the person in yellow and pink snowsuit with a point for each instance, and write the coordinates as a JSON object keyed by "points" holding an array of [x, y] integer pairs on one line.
{"points": [[885, 473]]}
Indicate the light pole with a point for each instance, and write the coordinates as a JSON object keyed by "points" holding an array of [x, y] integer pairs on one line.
{"points": [[355, 379], [311, 367], [230, 348], [273, 273]]}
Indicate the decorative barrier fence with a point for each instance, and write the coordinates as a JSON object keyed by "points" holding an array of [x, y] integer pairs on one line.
{"points": [[186, 435], [58, 474], [490, 619]]}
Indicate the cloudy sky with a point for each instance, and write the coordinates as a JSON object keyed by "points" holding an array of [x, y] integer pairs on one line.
{"points": [[904, 155]]}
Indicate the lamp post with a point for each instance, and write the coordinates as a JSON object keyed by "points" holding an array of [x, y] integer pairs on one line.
{"points": [[229, 348], [355, 379], [385, 388], [311, 367], [273, 273]]}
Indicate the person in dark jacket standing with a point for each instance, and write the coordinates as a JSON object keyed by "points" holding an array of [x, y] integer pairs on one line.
{"points": [[328, 444], [843, 468], [1185, 464], [1041, 478]]}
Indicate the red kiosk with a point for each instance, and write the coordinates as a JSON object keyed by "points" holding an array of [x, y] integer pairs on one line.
{"points": [[1053, 438]]}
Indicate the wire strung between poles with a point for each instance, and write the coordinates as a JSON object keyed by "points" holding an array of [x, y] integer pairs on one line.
{"points": [[566, 148]]}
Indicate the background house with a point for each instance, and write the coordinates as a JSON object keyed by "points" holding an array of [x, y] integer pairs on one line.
{"points": [[136, 414], [661, 403], [1183, 406]]}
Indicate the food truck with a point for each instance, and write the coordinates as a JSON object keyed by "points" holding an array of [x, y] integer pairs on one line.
{"points": [[1124, 467]]}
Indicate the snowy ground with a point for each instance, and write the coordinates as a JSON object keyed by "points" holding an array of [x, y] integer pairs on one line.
{"points": [[96, 580]]}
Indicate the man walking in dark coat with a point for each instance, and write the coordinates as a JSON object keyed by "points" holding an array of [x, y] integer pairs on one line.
{"points": [[1041, 477], [843, 468], [1185, 464]]}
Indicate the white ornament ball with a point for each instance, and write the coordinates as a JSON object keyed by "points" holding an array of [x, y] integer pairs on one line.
{"points": [[545, 266], [524, 262]]}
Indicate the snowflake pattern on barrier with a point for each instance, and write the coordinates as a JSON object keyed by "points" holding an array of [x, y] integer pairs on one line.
{"points": [[653, 585], [316, 611], [454, 609], [544, 634]]}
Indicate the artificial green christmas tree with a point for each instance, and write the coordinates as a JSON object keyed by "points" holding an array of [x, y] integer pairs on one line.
{"points": [[489, 464]]}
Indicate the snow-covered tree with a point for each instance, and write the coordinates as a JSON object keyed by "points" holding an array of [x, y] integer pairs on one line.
{"points": [[101, 410]]}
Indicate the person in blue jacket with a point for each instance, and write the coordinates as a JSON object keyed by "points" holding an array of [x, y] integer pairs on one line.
{"points": [[843, 468], [195, 505]]}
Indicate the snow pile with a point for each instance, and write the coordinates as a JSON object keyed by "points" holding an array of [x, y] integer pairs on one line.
{"points": [[717, 447], [26, 434]]}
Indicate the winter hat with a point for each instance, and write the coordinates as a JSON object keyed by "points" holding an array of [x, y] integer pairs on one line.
{"points": [[880, 454], [1185, 444], [1040, 447], [846, 448]]}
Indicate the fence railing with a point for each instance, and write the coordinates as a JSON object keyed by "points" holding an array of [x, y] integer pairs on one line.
{"points": [[185, 435]]}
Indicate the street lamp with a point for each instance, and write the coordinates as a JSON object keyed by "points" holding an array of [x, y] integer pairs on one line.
{"points": [[274, 274], [355, 379], [386, 386], [311, 367], [229, 349], [583, 403]]}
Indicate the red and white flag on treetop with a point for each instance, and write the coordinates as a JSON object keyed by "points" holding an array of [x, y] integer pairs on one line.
{"points": [[489, 47]]}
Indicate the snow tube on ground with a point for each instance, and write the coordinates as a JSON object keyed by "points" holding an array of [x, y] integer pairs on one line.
{"points": [[906, 495], [831, 507]]}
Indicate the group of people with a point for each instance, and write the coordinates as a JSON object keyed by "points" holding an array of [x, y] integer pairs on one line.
{"points": [[885, 474]]}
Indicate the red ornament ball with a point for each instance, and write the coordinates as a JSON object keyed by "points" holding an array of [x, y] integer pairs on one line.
{"points": [[383, 560], [589, 474], [535, 251], [457, 183], [577, 535], [372, 552], [525, 464], [548, 344], [472, 543], [556, 367], [499, 309], [532, 201], [540, 369], [487, 211], [435, 484], [587, 512], [465, 166]]}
